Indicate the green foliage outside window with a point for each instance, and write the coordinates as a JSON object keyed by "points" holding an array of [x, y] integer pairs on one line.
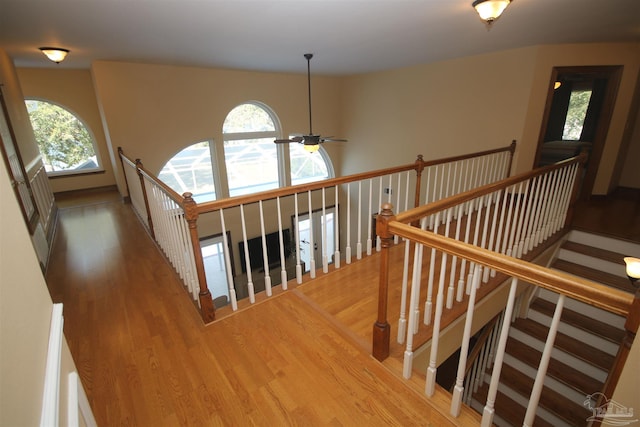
{"points": [[63, 140]]}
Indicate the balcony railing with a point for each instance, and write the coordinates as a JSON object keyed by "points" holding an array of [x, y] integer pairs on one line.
{"points": [[470, 238], [177, 222]]}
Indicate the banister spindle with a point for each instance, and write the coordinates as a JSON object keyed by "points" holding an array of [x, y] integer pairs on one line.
{"points": [[369, 218], [347, 248], [250, 288], [323, 225], [283, 268], [489, 408], [336, 229], [297, 237], [312, 252], [227, 263], [265, 255], [359, 242]]}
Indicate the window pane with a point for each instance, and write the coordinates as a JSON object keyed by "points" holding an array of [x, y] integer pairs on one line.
{"points": [[305, 166], [64, 141], [576, 113], [248, 118], [190, 170], [252, 165]]}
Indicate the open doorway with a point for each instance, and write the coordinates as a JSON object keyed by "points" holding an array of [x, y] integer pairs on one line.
{"points": [[577, 114]]}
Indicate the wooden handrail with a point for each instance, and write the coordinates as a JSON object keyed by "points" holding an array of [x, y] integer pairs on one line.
{"points": [[415, 214], [592, 293], [418, 165]]}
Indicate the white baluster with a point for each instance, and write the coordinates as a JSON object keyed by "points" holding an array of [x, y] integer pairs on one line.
{"points": [[336, 229], [265, 255], [456, 398], [431, 370], [347, 249], [369, 242], [544, 364], [252, 296], [227, 263], [323, 225], [312, 250], [297, 230], [432, 267], [402, 321], [283, 269], [359, 244]]}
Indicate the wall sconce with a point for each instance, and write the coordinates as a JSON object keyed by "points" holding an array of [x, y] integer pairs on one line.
{"points": [[55, 54], [557, 84], [490, 10], [633, 269]]}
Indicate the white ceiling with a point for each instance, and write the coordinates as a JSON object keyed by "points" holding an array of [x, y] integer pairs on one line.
{"points": [[346, 36]]}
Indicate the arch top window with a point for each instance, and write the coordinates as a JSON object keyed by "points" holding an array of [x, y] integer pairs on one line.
{"points": [[65, 143], [248, 118]]}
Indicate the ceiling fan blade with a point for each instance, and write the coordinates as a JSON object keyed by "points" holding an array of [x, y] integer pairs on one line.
{"points": [[331, 139], [286, 141]]}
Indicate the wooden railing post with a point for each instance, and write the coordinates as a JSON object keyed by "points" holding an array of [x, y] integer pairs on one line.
{"points": [[419, 168], [381, 329], [512, 150], [127, 198], [139, 168], [207, 310]]}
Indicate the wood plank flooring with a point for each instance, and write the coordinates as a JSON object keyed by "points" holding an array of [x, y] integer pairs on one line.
{"points": [[145, 357], [300, 358]]}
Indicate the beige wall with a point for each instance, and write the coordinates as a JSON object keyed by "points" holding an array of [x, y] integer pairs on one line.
{"points": [[73, 90], [25, 304], [154, 111], [547, 57], [473, 103], [437, 110]]}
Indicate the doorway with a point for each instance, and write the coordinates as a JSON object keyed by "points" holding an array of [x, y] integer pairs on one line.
{"points": [[577, 115], [317, 237]]}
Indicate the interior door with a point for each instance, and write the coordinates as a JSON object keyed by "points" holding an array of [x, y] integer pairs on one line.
{"points": [[317, 237], [18, 176]]}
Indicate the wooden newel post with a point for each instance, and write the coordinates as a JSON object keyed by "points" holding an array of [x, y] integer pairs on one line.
{"points": [[139, 168], [381, 329], [512, 151], [419, 168], [127, 198], [577, 185], [207, 310]]}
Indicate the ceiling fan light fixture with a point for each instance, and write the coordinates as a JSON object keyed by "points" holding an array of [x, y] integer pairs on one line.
{"points": [[490, 10], [55, 54], [311, 148]]}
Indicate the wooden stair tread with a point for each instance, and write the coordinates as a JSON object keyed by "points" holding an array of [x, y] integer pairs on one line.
{"points": [[561, 372], [576, 348], [594, 275], [594, 252], [507, 409], [555, 403], [579, 320]]}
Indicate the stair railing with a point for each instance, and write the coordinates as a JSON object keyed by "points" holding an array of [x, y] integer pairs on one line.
{"points": [[351, 199], [511, 216]]}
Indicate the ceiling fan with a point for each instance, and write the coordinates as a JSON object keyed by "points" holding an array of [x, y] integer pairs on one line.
{"points": [[310, 141]]}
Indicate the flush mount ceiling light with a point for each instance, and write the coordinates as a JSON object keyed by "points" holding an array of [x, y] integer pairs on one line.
{"points": [[55, 54], [490, 10]]}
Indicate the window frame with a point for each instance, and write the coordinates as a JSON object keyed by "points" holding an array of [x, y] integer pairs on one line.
{"points": [[94, 143]]}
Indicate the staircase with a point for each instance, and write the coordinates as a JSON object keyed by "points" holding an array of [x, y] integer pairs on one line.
{"points": [[585, 347]]}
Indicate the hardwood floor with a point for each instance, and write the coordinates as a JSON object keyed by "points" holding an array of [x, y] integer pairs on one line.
{"points": [[300, 358], [145, 357]]}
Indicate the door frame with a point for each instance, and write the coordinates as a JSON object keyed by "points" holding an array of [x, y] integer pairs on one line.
{"points": [[613, 73]]}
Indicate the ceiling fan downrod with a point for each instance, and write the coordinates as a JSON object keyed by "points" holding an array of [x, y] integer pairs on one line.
{"points": [[308, 56]]}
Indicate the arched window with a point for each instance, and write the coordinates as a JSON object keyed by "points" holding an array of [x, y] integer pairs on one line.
{"points": [[66, 144], [191, 170], [250, 155], [253, 162], [309, 167]]}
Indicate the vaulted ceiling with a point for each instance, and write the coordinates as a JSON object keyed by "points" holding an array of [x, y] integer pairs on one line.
{"points": [[346, 36]]}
